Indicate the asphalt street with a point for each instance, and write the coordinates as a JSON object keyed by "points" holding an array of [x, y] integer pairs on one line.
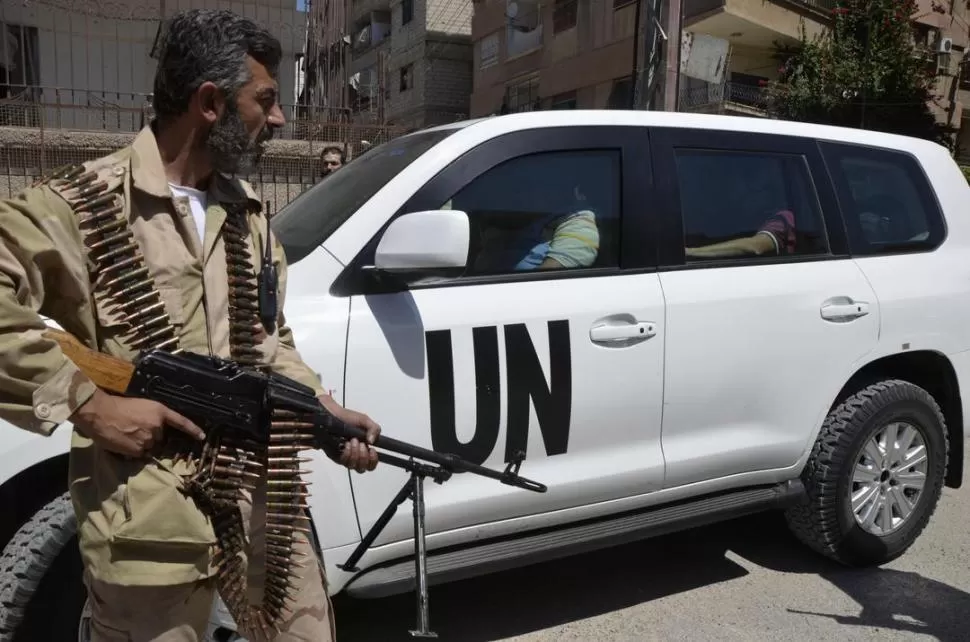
{"points": [[748, 579]]}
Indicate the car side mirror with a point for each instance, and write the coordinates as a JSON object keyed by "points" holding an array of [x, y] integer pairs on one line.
{"points": [[426, 243]]}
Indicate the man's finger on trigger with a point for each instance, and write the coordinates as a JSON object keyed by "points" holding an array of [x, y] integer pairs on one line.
{"points": [[184, 424]]}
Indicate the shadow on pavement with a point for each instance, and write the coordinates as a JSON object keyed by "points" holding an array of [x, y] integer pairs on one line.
{"points": [[555, 593], [887, 598]]}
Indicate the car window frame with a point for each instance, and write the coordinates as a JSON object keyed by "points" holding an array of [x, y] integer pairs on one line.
{"points": [[857, 245], [667, 140], [636, 186]]}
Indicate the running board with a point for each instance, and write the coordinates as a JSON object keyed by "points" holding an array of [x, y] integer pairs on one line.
{"points": [[548, 544]]}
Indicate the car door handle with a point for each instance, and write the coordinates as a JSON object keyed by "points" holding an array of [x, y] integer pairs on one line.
{"points": [[843, 308], [626, 332]]}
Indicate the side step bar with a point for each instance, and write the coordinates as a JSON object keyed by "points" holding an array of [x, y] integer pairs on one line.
{"points": [[547, 544]]}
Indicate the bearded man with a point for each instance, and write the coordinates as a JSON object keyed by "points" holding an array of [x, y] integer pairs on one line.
{"points": [[159, 245]]}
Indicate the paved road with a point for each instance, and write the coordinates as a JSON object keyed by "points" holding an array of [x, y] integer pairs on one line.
{"points": [[745, 580]]}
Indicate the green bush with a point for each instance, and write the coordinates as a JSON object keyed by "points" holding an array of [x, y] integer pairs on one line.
{"points": [[966, 172]]}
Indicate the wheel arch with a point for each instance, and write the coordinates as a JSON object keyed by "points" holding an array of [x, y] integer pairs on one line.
{"points": [[29, 490], [932, 371]]}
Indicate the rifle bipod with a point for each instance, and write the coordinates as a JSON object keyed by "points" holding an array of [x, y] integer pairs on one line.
{"points": [[413, 489]]}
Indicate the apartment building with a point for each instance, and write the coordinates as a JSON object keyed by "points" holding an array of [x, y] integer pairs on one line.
{"points": [[405, 63], [561, 54], [580, 53]]}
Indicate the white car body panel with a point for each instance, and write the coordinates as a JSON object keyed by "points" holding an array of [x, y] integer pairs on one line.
{"points": [[614, 427], [722, 417]]}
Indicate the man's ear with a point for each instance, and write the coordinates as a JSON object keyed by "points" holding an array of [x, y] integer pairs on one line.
{"points": [[209, 102]]}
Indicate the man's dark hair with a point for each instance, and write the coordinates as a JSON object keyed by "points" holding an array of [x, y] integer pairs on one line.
{"points": [[333, 149], [208, 45]]}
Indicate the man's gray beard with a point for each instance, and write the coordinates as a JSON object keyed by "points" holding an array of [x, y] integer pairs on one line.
{"points": [[230, 148]]}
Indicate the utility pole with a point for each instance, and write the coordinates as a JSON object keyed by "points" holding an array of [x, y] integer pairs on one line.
{"points": [[645, 52], [657, 44], [673, 10]]}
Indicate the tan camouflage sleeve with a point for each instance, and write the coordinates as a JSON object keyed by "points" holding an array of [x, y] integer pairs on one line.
{"points": [[288, 360], [42, 272]]}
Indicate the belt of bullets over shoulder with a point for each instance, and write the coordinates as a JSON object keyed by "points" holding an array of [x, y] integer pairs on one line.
{"points": [[227, 465]]}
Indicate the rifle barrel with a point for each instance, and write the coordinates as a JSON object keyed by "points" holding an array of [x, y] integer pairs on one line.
{"points": [[447, 461]]}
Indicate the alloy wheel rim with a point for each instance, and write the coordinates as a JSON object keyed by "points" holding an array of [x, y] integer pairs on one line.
{"points": [[888, 478]]}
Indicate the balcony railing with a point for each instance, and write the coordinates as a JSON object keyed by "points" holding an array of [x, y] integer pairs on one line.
{"points": [[730, 96]]}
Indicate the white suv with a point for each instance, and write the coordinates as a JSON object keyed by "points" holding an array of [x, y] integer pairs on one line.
{"points": [[769, 315]]}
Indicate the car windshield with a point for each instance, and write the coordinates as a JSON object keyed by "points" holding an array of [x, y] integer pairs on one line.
{"points": [[309, 219]]}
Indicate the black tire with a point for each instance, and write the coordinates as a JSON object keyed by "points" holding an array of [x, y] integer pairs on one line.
{"points": [[824, 520], [41, 592]]}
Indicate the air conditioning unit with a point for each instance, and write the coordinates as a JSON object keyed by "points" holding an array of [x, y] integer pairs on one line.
{"points": [[944, 45]]}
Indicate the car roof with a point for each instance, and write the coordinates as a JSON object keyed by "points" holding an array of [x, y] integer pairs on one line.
{"points": [[496, 125]]}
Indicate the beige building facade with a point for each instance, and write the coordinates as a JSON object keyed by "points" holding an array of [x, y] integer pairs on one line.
{"points": [[561, 54]]}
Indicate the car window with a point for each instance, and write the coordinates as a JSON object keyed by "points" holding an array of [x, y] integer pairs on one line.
{"points": [[740, 205], [309, 219], [886, 200], [550, 210]]}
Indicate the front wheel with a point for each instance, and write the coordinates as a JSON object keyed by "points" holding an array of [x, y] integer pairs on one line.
{"points": [[875, 475], [41, 593]]}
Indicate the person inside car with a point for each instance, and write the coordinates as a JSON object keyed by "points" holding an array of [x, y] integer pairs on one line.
{"points": [[775, 237], [555, 241]]}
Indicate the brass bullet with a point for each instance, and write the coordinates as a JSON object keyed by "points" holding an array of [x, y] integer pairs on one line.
{"points": [[289, 436], [281, 540], [151, 309], [107, 256], [152, 335], [282, 505], [111, 240], [89, 218], [242, 460], [287, 528], [130, 276], [287, 517], [83, 191], [78, 179], [280, 450], [121, 265], [139, 299], [168, 343], [134, 287], [291, 425], [111, 226], [287, 494]]}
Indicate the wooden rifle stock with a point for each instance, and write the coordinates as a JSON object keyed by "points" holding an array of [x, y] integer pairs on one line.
{"points": [[111, 374]]}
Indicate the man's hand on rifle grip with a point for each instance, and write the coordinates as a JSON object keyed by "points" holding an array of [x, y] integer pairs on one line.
{"points": [[355, 455], [129, 426]]}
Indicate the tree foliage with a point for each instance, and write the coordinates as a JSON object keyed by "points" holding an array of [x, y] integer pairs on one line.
{"points": [[867, 71]]}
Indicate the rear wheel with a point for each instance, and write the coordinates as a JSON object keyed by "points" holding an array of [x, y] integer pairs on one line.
{"points": [[42, 595], [875, 475]]}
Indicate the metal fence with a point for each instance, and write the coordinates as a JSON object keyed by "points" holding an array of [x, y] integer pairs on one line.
{"points": [[34, 139]]}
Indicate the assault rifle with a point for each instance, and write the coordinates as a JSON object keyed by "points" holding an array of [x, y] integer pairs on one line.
{"points": [[219, 394]]}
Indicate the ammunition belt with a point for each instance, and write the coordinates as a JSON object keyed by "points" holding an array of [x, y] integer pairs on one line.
{"points": [[119, 275], [231, 464]]}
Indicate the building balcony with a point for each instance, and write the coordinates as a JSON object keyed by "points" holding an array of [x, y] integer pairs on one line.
{"points": [[758, 23], [739, 99]]}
